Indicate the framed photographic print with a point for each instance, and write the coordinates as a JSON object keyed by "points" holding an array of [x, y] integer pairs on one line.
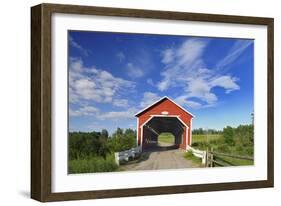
{"points": [[130, 102]]}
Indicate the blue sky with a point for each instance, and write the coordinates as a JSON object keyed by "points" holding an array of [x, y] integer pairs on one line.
{"points": [[114, 75]]}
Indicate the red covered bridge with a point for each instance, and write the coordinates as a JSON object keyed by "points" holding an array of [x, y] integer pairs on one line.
{"points": [[164, 115]]}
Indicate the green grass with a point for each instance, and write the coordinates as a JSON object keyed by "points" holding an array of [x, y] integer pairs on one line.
{"points": [[234, 161], [203, 142], [205, 138], [216, 141], [189, 156], [93, 164], [166, 137]]}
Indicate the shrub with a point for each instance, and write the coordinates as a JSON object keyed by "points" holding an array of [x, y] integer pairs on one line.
{"points": [[223, 148], [195, 144], [228, 135], [92, 164]]}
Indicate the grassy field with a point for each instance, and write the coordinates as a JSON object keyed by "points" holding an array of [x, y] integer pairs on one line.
{"points": [[189, 156], [166, 137], [93, 164], [234, 161], [205, 138], [216, 142]]}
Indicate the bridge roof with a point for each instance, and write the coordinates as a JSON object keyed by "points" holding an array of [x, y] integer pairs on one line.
{"points": [[158, 101]]}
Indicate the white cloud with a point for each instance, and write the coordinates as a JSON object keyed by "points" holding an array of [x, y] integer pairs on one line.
{"points": [[117, 115], [182, 100], [120, 102], [190, 50], [94, 84], [133, 71], [168, 56], [149, 98], [226, 82], [185, 68], [78, 46], [187, 59], [101, 115], [83, 111], [236, 50], [150, 82], [164, 84], [200, 88]]}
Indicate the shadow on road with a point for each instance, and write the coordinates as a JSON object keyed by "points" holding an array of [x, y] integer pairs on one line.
{"points": [[160, 147], [155, 148]]}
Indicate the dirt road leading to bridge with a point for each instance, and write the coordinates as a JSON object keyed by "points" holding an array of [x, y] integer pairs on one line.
{"points": [[161, 159]]}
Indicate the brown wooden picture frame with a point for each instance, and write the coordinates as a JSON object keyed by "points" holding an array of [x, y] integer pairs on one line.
{"points": [[41, 101]]}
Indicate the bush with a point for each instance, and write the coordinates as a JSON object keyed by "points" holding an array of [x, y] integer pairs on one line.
{"points": [[92, 164], [87, 144], [93, 151], [223, 148], [195, 144], [121, 141], [228, 135]]}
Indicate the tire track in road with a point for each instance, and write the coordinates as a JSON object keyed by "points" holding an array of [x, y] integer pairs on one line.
{"points": [[166, 159]]}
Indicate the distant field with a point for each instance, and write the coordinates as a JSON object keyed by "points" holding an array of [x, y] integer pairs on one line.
{"points": [[216, 142], [205, 138], [166, 137]]}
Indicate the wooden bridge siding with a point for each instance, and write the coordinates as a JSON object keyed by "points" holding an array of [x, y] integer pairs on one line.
{"points": [[170, 107], [148, 133]]}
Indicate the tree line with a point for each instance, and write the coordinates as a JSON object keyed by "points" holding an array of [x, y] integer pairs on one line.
{"points": [[87, 144], [235, 140], [205, 131], [242, 136]]}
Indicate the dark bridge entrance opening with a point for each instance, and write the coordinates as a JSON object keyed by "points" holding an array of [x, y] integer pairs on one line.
{"points": [[160, 126]]}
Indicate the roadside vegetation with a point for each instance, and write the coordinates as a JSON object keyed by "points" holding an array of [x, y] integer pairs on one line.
{"points": [[234, 141], [90, 152], [196, 160]]}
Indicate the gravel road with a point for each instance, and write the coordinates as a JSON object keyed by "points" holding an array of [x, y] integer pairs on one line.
{"points": [[160, 158]]}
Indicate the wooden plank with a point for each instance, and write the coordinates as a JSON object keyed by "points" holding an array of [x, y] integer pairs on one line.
{"points": [[233, 156], [223, 160], [219, 163]]}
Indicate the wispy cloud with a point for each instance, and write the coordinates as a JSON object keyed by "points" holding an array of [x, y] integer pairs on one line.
{"points": [[149, 98], [185, 68], [237, 49], [168, 56], [74, 44], [102, 115], [95, 84], [134, 71], [117, 115], [182, 100], [83, 111], [186, 59], [150, 82], [120, 103]]}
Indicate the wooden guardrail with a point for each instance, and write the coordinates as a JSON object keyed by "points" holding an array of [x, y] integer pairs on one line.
{"points": [[215, 159], [199, 153]]}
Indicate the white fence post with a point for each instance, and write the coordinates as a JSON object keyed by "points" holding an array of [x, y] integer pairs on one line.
{"points": [[116, 154], [199, 153], [204, 158]]}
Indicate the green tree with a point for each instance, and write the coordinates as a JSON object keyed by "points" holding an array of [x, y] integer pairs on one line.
{"points": [[123, 140], [104, 133], [87, 144], [228, 135]]}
